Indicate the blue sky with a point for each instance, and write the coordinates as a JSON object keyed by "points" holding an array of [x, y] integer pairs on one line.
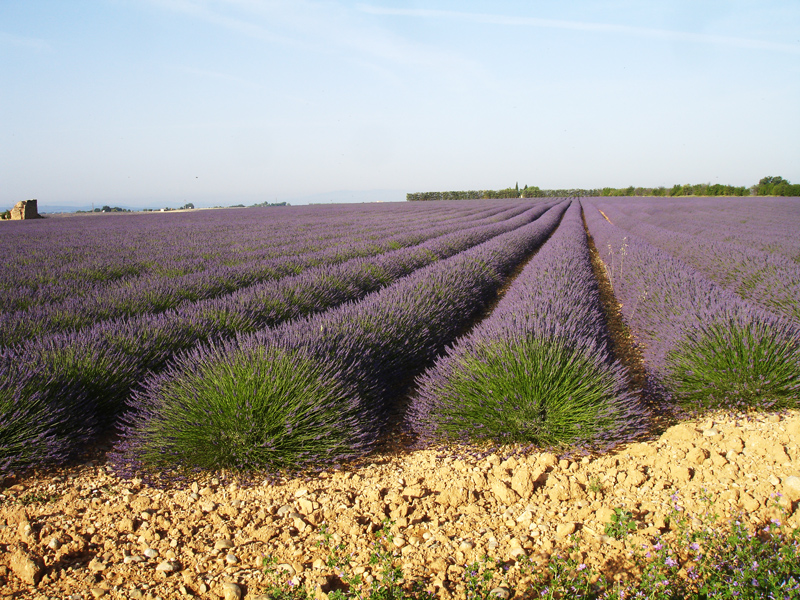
{"points": [[158, 102]]}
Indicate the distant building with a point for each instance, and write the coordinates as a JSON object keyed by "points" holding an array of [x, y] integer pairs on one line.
{"points": [[26, 209]]}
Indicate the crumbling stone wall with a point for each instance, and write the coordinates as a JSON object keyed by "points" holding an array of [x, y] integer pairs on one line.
{"points": [[26, 209]]}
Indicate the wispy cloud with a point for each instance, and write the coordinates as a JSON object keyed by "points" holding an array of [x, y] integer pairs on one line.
{"points": [[202, 10], [645, 32], [322, 27], [9, 39]]}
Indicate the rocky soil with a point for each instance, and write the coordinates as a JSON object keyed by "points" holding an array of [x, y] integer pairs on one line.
{"points": [[80, 532]]}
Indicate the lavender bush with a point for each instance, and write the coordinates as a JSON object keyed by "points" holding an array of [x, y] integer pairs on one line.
{"points": [[539, 370], [768, 279], [704, 344], [321, 386], [761, 223], [182, 277], [35, 427], [79, 365]]}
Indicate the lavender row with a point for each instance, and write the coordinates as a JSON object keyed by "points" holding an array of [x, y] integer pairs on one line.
{"points": [[702, 344], [317, 389], [130, 248], [157, 294], [93, 372], [769, 224], [767, 279], [51, 260], [539, 370]]}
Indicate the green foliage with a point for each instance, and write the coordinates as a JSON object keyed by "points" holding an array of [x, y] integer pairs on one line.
{"points": [[736, 365], [777, 186], [279, 586], [389, 584], [31, 498], [594, 486], [249, 408], [268, 204], [565, 576], [511, 192], [714, 562], [479, 575], [539, 391], [621, 524]]}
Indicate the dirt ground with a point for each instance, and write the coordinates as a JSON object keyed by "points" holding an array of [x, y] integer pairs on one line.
{"points": [[80, 532]]}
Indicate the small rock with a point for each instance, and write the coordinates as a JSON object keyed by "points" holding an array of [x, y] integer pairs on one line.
{"points": [[680, 474], [791, 487], [136, 594], [524, 481], [604, 514], [749, 503], [128, 558], [27, 567], [547, 460], [168, 566], [306, 506], [98, 592], [150, 552], [223, 544], [500, 592], [54, 544], [96, 565], [126, 525], [301, 492], [503, 493], [231, 559], [413, 491], [710, 432], [466, 545], [697, 456], [231, 591], [565, 529]]}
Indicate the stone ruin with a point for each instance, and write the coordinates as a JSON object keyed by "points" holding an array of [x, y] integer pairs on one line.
{"points": [[26, 209]]}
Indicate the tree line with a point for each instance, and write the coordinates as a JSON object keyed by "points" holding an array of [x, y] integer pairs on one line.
{"points": [[767, 186]]}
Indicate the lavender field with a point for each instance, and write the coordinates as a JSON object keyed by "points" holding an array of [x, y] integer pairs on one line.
{"points": [[276, 338]]}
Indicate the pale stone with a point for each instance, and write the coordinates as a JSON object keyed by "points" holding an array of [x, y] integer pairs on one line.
{"points": [[231, 591], [223, 544], [503, 493], [168, 566], [605, 514], [791, 487], [565, 529], [27, 567], [523, 482]]}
